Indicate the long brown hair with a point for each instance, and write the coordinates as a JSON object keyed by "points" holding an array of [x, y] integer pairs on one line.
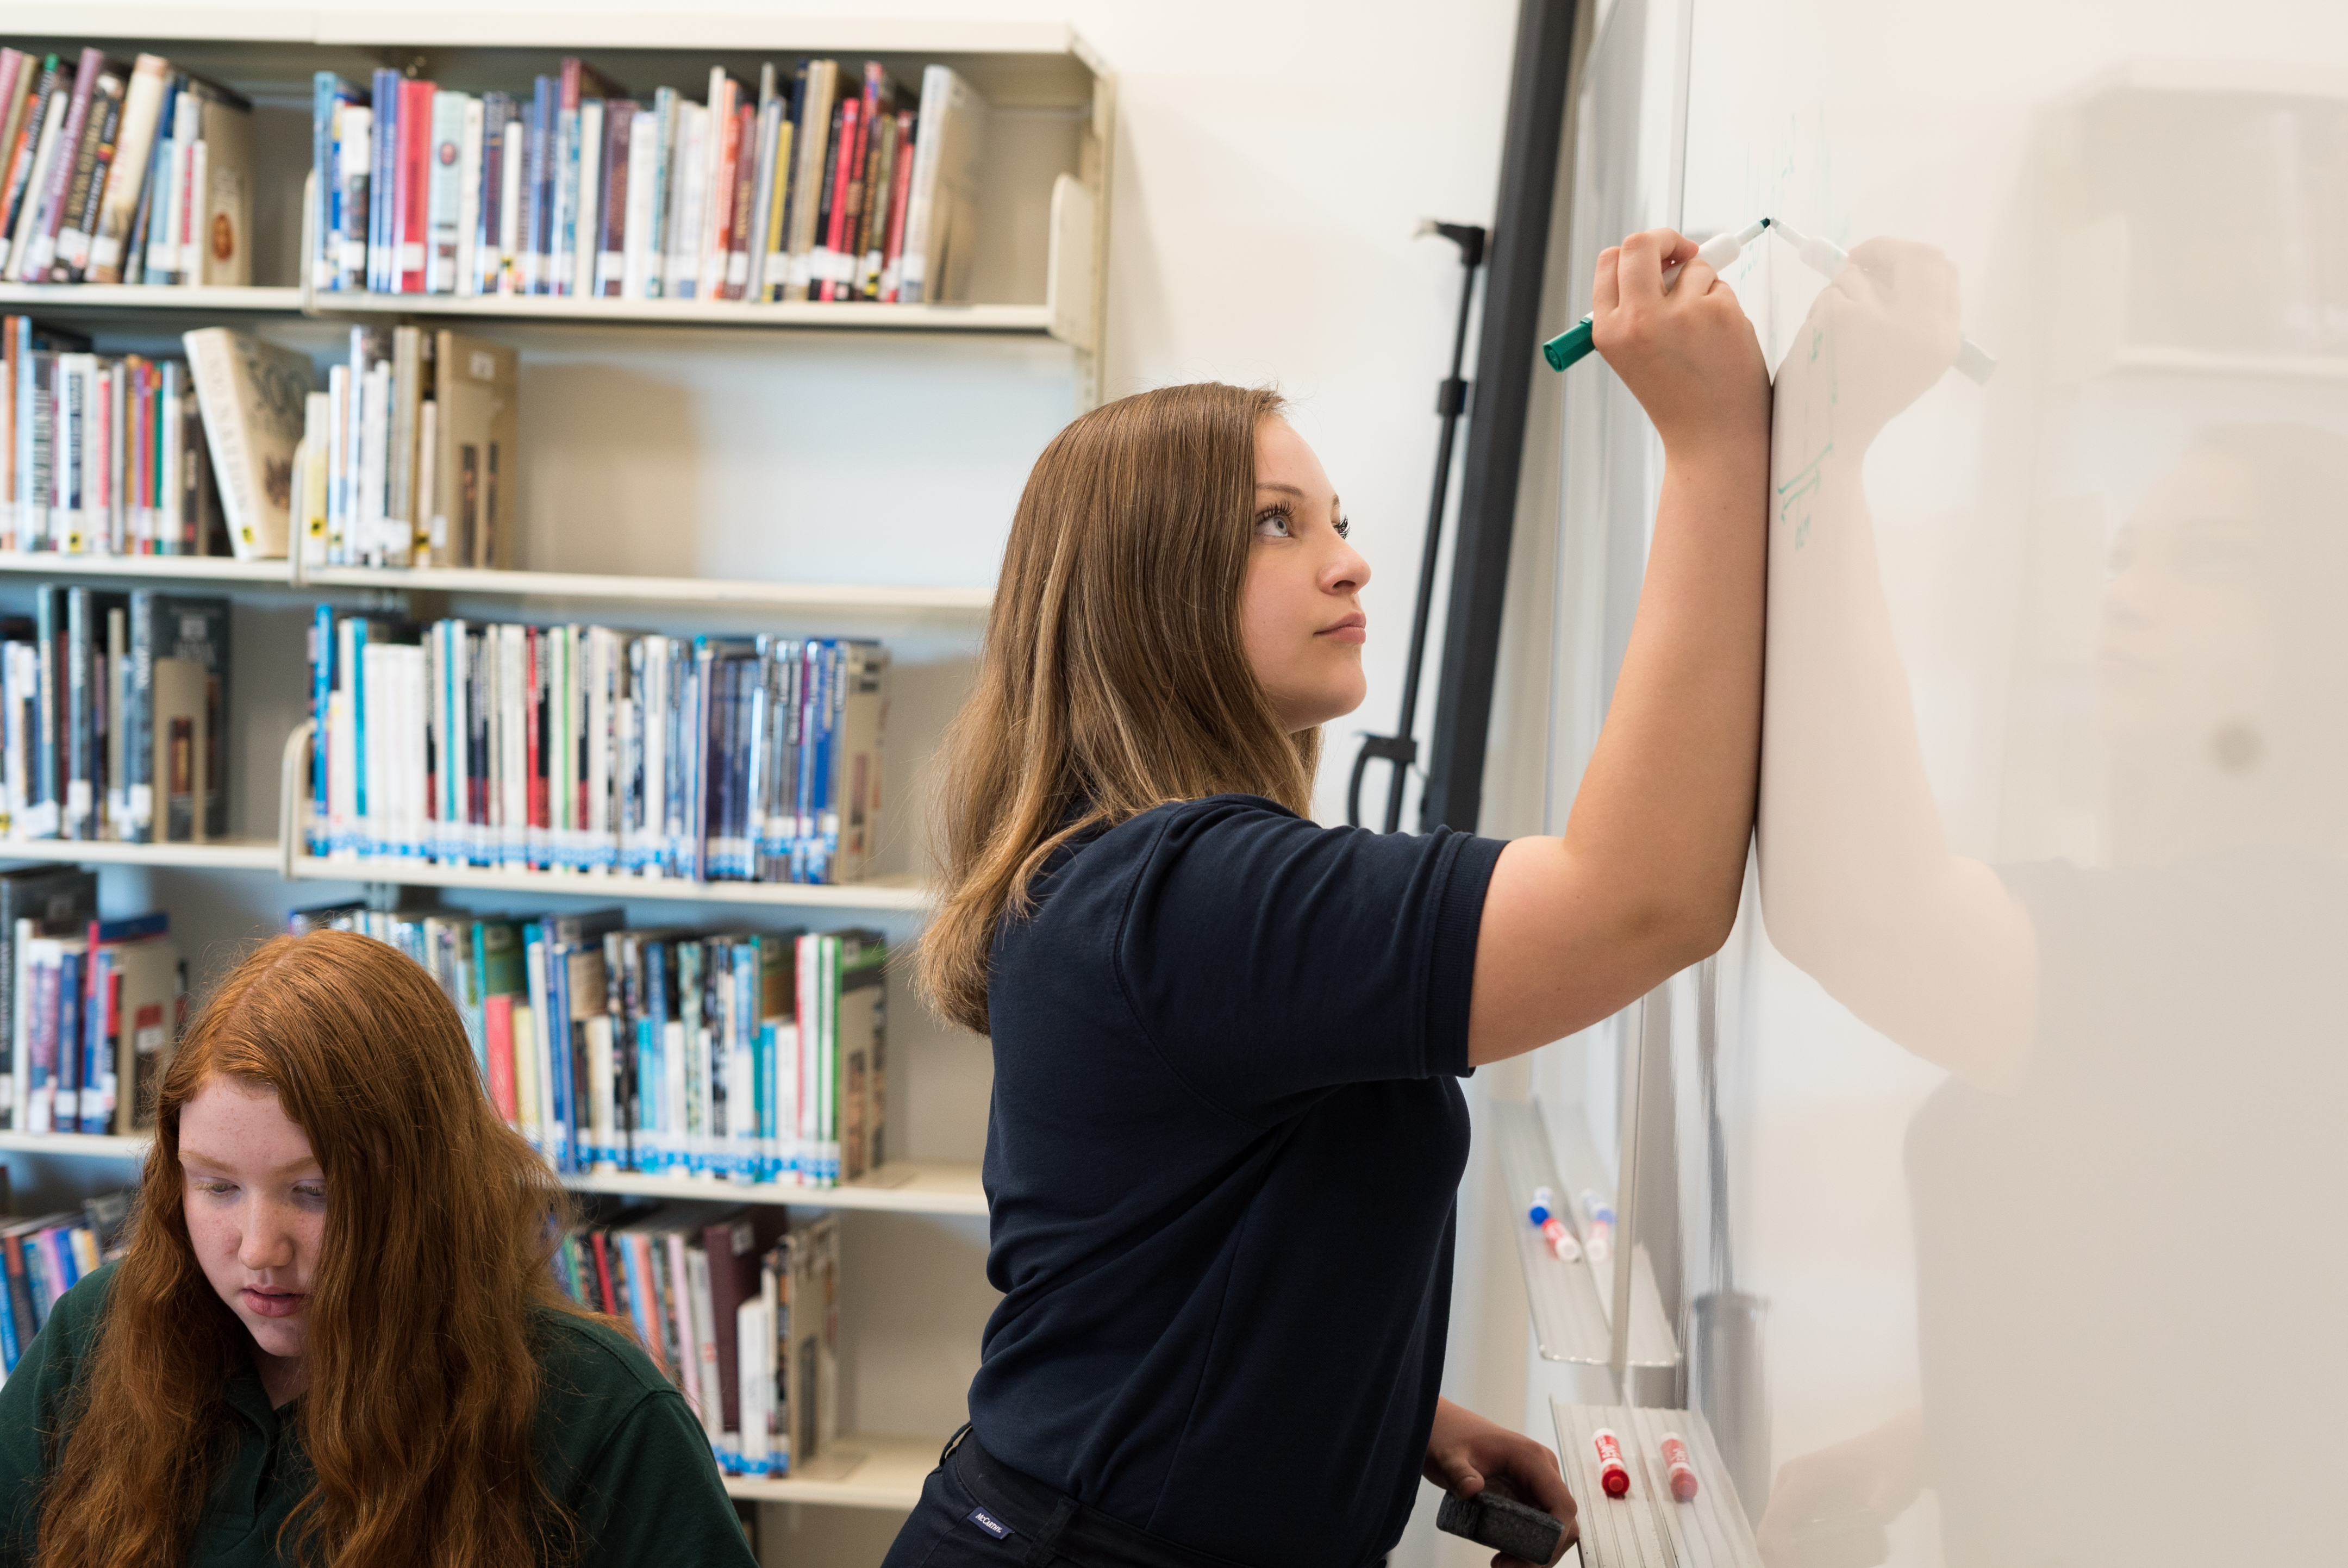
{"points": [[423, 1385], [1113, 677]]}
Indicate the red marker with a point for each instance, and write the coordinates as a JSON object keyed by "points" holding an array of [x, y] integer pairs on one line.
{"points": [[1613, 1475], [1562, 1245], [1675, 1456]]}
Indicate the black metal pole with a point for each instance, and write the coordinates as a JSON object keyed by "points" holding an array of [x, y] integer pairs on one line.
{"points": [[1506, 358], [1450, 401]]}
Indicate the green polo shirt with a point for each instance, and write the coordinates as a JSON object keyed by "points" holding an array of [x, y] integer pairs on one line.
{"points": [[619, 1445]]}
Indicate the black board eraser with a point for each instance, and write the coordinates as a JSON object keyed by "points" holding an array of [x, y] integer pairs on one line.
{"points": [[1502, 1523]]}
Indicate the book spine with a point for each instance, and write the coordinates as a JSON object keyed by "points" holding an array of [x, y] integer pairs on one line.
{"points": [[614, 202], [61, 172], [471, 192], [443, 184], [91, 163], [511, 232], [687, 186], [416, 161], [32, 206], [127, 172], [383, 185], [22, 149], [586, 202]]}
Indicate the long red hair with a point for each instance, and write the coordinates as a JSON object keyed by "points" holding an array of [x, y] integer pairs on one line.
{"points": [[423, 1382]]}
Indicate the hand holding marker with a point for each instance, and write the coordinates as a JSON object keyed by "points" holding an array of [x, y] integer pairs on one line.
{"points": [[1821, 257], [1716, 253]]}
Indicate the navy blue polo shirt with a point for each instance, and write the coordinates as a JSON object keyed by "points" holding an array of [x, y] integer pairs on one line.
{"points": [[1222, 1163]]}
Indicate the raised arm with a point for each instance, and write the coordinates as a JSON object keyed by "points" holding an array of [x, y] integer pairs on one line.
{"points": [[1645, 881]]}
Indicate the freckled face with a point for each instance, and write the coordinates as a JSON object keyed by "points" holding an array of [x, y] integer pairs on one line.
{"points": [[1300, 609], [255, 1198]]}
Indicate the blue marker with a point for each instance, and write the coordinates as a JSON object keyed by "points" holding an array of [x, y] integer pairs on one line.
{"points": [[1716, 253]]}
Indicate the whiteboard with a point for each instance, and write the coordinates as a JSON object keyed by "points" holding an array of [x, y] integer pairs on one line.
{"points": [[2033, 1080]]}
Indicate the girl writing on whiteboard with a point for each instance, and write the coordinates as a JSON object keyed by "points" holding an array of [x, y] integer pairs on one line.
{"points": [[335, 1336], [1226, 1127]]}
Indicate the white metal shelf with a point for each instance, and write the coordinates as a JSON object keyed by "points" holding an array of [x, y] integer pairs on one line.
{"points": [[711, 592], [66, 298], [899, 1186], [75, 1145], [581, 587], [151, 568], [490, 27], [859, 316], [856, 1471], [222, 855], [893, 893], [1648, 1528]]}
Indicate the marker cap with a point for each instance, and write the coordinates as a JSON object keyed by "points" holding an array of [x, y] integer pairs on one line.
{"points": [[1682, 1474], [1613, 1475]]}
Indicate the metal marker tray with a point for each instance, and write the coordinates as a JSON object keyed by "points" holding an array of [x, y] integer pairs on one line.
{"points": [[1571, 1303], [1650, 1528]]}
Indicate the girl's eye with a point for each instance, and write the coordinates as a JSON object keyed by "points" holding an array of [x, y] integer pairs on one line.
{"points": [[215, 1188], [314, 1194], [1272, 523], [1345, 528]]}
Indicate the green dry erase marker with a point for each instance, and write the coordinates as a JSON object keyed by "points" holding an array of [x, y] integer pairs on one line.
{"points": [[1716, 253]]}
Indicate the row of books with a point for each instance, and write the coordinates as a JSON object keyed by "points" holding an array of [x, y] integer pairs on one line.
{"points": [[98, 454], [122, 174], [587, 749], [740, 1311], [754, 1056], [817, 186], [408, 457], [45, 1257], [97, 1013], [113, 717]]}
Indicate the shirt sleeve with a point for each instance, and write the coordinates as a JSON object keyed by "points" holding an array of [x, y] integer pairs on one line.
{"points": [[650, 1493], [32, 1403], [1268, 957]]}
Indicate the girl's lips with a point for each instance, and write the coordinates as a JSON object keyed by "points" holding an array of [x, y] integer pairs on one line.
{"points": [[278, 1304], [1352, 629]]}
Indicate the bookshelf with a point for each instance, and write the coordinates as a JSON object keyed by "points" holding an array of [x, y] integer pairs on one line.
{"points": [[653, 501]]}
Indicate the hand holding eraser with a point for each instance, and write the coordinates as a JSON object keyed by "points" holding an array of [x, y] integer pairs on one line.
{"points": [[1502, 1523]]}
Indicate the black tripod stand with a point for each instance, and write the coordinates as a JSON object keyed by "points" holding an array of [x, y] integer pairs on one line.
{"points": [[1451, 402]]}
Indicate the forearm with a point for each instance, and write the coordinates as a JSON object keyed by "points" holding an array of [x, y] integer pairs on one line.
{"points": [[1665, 805]]}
